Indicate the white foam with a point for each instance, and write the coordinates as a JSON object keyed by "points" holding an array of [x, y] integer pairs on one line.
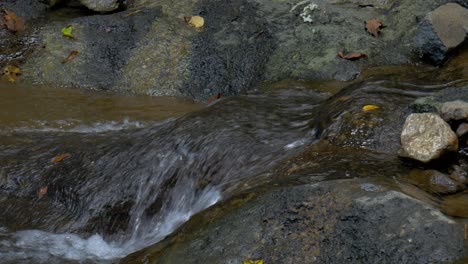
{"points": [[77, 126]]}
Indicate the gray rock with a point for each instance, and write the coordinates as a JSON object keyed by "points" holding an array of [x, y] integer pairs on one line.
{"points": [[341, 221], [426, 137], [433, 181], [462, 129], [442, 30], [101, 5], [454, 110]]}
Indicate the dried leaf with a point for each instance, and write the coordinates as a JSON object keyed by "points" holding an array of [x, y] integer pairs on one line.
{"points": [[352, 55], [60, 157], [42, 192], [67, 32], [248, 261], [11, 21], [214, 98], [11, 73], [71, 56], [369, 108], [195, 21], [373, 26]]}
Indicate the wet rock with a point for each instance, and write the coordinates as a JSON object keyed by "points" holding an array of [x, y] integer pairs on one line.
{"points": [[459, 174], [442, 31], [455, 205], [454, 110], [101, 5], [330, 222], [425, 105], [434, 181], [426, 137], [462, 129], [242, 43]]}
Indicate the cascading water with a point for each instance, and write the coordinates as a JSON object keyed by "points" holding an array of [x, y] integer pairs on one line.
{"points": [[122, 191]]}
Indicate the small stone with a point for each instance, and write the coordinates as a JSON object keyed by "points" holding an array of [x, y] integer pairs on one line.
{"points": [[454, 110], [462, 129], [434, 181], [426, 137], [101, 5]]}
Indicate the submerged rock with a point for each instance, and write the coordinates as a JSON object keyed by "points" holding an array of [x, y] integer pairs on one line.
{"points": [[345, 221], [459, 174], [454, 110], [442, 30], [426, 137], [434, 181]]}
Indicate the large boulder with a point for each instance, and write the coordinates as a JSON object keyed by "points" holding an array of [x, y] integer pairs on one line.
{"points": [[242, 43], [345, 221], [442, 30], [426, 137]]}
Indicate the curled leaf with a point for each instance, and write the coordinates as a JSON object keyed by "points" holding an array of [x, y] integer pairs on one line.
{"points": [[71, 56], [42, 192], [11, 21], [373, 26], [369, 108], [195, 21], [352, 55], [67, 32], [11, 73], [60, 157]]}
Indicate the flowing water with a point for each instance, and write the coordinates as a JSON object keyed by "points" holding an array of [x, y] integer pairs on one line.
{"points": [[139, 167]]}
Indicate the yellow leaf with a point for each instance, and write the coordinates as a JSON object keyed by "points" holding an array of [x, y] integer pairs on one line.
{"points": [[195, 21], [67, 32], [248, 261], [369, 108], [60, 157], [11, 73]]}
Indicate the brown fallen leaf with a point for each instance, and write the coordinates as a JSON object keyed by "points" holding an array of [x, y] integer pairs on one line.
{"points": [[71, 56], [352, 55], [373, 26], [11, 21], [11, 73], [42, 192], [60, 157], [214, 97]]}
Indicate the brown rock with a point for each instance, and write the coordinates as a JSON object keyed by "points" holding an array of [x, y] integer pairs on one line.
{"points": [[462, 129]]}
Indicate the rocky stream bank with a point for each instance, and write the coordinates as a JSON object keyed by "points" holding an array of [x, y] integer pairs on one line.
{"points": [[307, 156]]}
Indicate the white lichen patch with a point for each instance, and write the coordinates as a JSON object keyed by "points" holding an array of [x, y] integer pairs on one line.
{"points": [[307, 12]]}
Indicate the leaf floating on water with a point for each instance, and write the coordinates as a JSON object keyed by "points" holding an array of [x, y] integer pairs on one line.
{"points": [[60, 157], [71, 56], [67, 32], [352, 55], [11, 21], [195, 21], [373, 26], [214, 98], [11, 73], [42, 192], [369, 108], [248, 261]]}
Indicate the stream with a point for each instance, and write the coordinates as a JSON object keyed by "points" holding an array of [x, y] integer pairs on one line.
{"points": [[138, 167]]}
